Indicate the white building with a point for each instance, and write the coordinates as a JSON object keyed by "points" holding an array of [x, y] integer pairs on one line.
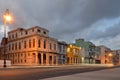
{"points": [[62, 50], [105, 55]]}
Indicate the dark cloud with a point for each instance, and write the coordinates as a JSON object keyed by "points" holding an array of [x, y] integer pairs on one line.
{"points": [[66, 19]]}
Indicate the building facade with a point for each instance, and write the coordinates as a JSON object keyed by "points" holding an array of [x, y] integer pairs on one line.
{"points": [[62, 51], [73, 54], [88, 50], [105, 55], [116, 57], [32, 46]]}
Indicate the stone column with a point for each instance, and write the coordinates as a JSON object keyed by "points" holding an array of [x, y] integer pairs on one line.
{"points": [[41, 58], [47, 58], [36, 58]]}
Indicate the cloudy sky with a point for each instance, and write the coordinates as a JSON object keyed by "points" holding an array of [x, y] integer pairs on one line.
{"points": [[94, 20]]}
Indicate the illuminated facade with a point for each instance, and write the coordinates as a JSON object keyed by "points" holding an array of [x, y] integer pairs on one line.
{"points": [[105, 55], [73, 54], [32, 46], [116, 57], [88, 50]]}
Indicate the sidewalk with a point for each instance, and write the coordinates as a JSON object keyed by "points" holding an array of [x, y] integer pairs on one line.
{"points": [[75, 65]]}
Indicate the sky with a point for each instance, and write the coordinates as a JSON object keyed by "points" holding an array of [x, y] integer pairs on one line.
{"points": [[97, 21]]}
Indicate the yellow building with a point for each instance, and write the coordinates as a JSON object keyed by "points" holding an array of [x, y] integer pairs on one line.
{"points": [[73, 54]]}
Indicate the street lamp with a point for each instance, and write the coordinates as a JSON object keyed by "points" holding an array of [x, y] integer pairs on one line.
{"points": [[7, 18]]}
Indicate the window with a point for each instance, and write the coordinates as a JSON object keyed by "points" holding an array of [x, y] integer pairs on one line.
{"points": [[13, 36], [33, 42], [39, 43], [28, 54], [9, 47], [16, 35], [25, 61], [16, 46], [9, 37], [21, 32], [54, 46], [44, 32], [29, 43], [38, 30], [19, 45], [26, 32], [21, 60], [12, 46], [44, 44], [50, 46], [21, 54], [24, 44], [32, 30]]}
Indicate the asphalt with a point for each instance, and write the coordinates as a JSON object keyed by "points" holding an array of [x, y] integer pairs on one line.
{"points": [[38, 73], [105, 74]]}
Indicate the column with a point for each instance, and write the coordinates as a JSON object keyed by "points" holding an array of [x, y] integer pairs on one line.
{"points": [[36, 58], [47, 58], [41, 58], [52, 59], [56, 59]]}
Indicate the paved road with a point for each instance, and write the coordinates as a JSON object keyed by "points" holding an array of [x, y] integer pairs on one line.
{"points": [[107, 74], [41, 73]]}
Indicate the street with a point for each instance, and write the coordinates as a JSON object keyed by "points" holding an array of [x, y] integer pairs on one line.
{"points": [[106, 74], [42, 72]]}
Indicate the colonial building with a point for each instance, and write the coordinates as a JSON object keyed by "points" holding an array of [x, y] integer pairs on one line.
{"points": [[105, 55], [116, 57], [73, 54], [32, 46], [88, 50], [62, 50]]}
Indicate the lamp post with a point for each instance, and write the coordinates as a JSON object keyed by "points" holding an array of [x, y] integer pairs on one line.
{"points": [[6, 18]]}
